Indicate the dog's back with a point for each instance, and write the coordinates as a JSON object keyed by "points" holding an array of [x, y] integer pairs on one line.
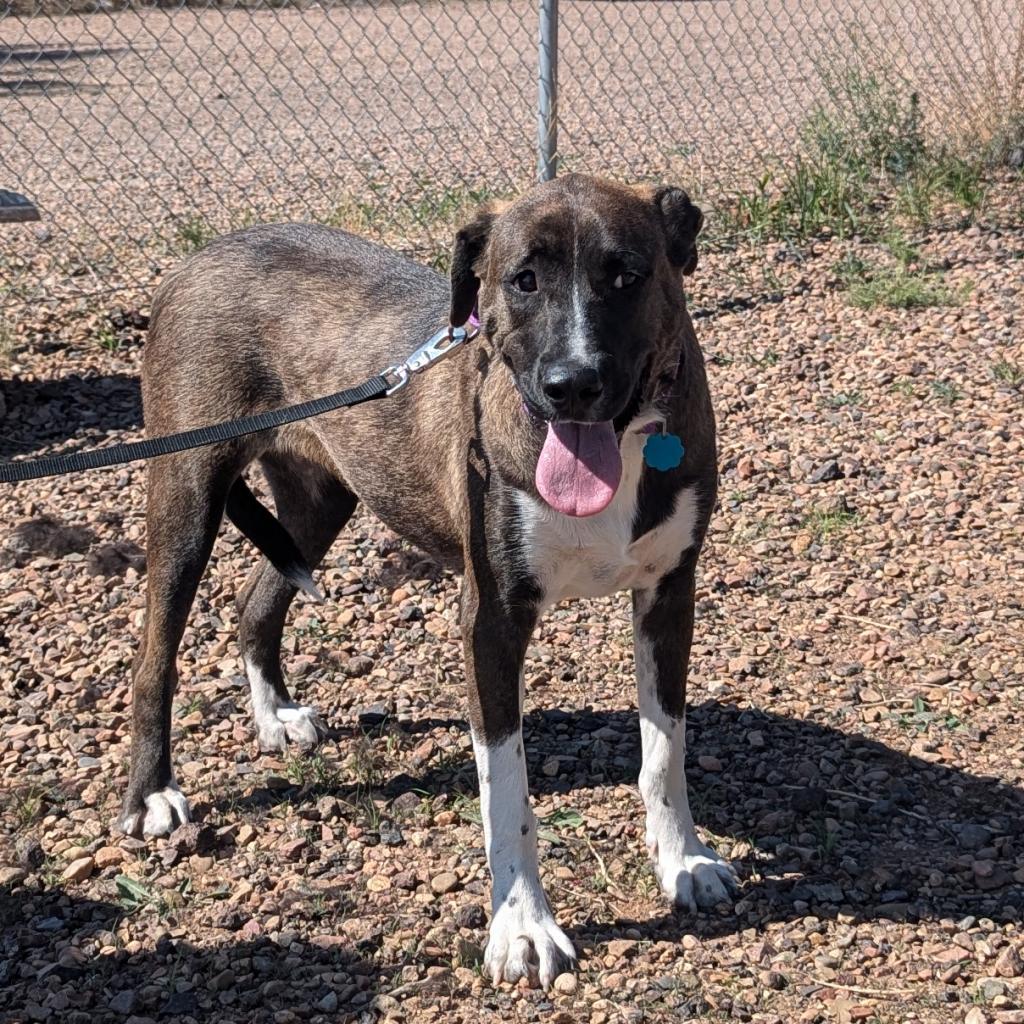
{"points": [[244, 324]]}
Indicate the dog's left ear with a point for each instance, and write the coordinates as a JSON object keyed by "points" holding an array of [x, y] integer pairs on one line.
{"points": [[682, 221], [470, 243]]}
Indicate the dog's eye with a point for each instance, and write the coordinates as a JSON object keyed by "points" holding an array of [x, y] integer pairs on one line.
{"points": [[526, 281], [625, 280]]}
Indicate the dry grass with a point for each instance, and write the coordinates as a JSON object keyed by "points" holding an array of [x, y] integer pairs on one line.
{"points": [[6, 342], [989, 91], [974, 93]]}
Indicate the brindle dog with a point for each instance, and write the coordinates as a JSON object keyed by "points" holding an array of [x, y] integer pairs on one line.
{"points": [[518, 462]]}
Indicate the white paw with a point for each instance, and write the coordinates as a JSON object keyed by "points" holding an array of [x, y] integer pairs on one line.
{"points": [[694, 875], [166, 809], [290, 724], [526, 943]]}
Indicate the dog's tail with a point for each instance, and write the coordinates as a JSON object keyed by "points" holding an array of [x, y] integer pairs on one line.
{"points": [[257, 522]]}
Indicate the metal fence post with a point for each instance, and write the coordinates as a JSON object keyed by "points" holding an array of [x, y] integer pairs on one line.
{"points": [[547, 92]]}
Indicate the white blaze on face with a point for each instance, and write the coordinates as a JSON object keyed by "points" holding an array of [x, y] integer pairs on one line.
{"points": [[579, 327]]}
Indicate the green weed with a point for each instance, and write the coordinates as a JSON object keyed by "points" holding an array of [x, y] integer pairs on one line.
{"points": [[843, 399], [312, 770], [195, 703], [904, 251], [192, 233], [850, 266], [28, 805], [108, 339], [864, 159], [901, 290], [828, 523], [905, 387], [1008, 373], [563, 818], [767, 358], [921, 718], [947, 391]]}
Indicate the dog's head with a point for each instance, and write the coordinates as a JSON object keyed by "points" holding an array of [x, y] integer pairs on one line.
{"points": [[579, 285]]}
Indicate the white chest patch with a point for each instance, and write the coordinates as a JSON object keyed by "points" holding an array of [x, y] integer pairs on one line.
{"points": [[596, 555]]}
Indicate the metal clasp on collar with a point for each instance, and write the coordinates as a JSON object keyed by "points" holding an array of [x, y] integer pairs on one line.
{"points": [[439, 346]]}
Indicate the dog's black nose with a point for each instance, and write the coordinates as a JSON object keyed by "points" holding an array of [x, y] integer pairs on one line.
{"points": [[572, 388]]}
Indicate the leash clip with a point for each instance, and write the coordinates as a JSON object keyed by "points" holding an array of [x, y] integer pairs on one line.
{"points": [[439, 346]]}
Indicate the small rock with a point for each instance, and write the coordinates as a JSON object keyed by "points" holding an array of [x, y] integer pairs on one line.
{"points": [[709, 764], [107, 856], [975, 1016], [11, 876], [808, 799], [565, 984], [390, 833], [756, 739], [123, 1002], [621, 947], [180, 1004], [826, 472], [358, 666], [192, 838], [78, 870], [293, 849], [1008, 963], [223, 981], [468, 953], [444, 882], [989, 988], [329, 1003], [28, 853], [374, 715], [471, 916], [972, 837]]}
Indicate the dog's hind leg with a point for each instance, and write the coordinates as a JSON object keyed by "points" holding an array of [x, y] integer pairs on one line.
{"points": [[313, 506], [185, 502]]}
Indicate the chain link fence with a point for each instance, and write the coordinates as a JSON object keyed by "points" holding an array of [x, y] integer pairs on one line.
{"points": [[142, 129]]}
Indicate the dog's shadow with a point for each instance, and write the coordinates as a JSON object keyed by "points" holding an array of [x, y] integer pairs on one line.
{"points": [[252, 979], [826, 822], [82, 408]]}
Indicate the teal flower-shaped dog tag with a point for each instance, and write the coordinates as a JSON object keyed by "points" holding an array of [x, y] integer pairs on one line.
{"points": [[663, 451]]}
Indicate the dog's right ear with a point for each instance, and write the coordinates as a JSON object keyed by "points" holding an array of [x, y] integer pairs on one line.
{"points": [[470, 243]]}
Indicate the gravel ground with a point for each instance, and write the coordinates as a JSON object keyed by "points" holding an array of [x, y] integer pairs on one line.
{"points": [[858, 680], [856, 710]]}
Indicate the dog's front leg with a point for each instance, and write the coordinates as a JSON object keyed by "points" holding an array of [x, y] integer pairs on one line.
{"points": [[690, 873], [524, 940]]}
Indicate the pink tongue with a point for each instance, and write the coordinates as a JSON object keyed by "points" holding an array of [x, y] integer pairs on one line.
{"points": [[579, 468]]}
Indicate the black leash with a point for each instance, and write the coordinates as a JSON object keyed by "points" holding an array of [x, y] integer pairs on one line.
{"points": [[440, 345]]}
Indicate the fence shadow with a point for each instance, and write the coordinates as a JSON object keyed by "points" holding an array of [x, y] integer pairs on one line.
{"points": [[43, 413], [47, 87], [21, 63], [35, 53], [302, 976]]}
